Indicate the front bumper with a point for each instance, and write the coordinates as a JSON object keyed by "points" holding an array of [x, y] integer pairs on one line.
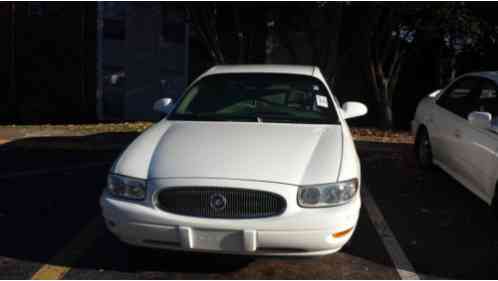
{"points": [[297, 232]]}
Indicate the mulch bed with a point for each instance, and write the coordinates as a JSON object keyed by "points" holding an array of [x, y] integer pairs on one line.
{"points": [[108, 136]]}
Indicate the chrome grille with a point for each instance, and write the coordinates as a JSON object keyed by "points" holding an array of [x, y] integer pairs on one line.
{"points": [[239, 203]]}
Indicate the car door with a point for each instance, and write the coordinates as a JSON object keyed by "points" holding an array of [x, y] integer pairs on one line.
{"points": [[478, 146], [447, 119]]}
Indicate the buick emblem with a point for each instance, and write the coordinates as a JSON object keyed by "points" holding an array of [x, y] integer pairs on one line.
{"points": [[217, 202]]}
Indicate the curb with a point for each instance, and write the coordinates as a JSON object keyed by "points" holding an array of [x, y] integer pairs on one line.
{"points": [[69, 146]]}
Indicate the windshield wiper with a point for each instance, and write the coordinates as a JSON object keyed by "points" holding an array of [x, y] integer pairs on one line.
{"points": [[288, 118], [213, 117]]}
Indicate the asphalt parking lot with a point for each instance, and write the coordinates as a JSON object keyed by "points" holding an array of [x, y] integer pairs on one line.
{"points": [[414, 223]]}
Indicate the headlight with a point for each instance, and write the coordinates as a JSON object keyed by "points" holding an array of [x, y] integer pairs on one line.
{"points": [[326, 195], [126, 187]]}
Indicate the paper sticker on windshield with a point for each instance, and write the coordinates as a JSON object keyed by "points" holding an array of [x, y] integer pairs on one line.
{"points": [[322, 101]]}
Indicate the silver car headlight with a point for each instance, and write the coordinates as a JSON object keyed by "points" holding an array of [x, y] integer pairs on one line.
{"points": [[326, 195], [126, 187]]}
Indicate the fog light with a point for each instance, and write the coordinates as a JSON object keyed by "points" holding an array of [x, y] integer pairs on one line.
{"points": [[342, 233]]}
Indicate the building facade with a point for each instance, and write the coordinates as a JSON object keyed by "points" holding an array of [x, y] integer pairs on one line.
{"points": [[79, 62], [142, 55]]}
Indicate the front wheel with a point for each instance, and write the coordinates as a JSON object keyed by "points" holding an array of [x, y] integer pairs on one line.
{"points": [[423, 149]]}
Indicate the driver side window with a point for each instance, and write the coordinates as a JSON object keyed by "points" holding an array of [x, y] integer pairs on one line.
{"points": [[462, 97]]}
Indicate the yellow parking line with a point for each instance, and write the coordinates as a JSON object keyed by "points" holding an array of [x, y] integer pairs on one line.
{"points": [[61, 263], [51, 272]]}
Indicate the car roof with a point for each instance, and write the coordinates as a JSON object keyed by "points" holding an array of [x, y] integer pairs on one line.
{"points": [[491, 75], [307, 70], [262, 68]]}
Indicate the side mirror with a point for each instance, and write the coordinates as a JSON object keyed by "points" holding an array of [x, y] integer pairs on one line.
{"points": [[163, 105], [435, 93], [480, 119], [352, 109]]}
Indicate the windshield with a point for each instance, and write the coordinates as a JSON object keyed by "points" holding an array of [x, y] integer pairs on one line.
{"points": [[249, 97]]}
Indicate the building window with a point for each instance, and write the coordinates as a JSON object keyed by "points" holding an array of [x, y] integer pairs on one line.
{"points": [[173, 33], [36, 9], [114, 29], [114, 91], [114, 14], [173, 25], [172, 83]]}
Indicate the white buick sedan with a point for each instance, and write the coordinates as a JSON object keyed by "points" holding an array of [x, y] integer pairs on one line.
{"points": [[253, 160], [456, 128]]}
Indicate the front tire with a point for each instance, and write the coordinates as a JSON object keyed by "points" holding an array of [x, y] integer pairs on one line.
{"points": [[423, 149]]}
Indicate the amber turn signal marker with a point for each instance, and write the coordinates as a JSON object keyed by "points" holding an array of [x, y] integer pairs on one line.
{"points": [[342, 233]]}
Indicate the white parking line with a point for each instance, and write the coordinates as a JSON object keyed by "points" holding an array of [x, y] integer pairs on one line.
{"points": [[51, 170], [403, 266]]}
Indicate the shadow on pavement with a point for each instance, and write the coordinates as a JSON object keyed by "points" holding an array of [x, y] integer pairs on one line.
{"points": [[41, 212], [46, 152], [445, 230]]}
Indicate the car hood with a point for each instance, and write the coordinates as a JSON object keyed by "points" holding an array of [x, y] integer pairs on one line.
{"points": [[296, 154]]}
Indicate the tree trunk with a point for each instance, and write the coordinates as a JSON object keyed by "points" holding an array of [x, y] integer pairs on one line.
{"points": [[241, 57], [384, 103], [204, 21], [383, 90], [453, 57], [453, 67], [286, 42], [387, 115], [13, 99]]}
